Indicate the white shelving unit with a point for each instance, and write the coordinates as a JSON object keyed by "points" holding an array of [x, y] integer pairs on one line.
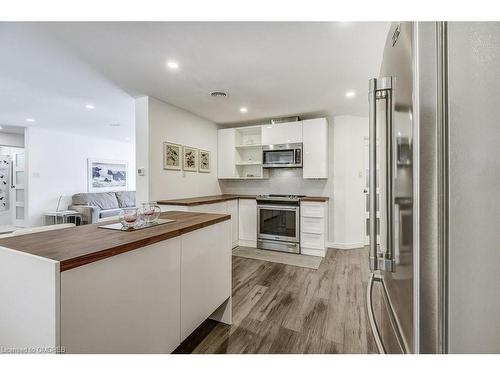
{"points": [[244, 153]]}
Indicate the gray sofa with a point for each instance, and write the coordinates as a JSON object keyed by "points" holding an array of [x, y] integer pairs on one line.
{"points": [[96, 206]]}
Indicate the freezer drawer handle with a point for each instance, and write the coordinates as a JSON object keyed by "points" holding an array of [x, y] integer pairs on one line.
{"points": [[396, 326], [371, 315]]}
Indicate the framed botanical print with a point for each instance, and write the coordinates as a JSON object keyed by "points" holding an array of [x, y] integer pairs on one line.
{"points": [[203, 161], [172, 156], [189, 159]]}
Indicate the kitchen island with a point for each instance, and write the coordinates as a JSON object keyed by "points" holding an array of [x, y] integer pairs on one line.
{"points": [[94, 290]]}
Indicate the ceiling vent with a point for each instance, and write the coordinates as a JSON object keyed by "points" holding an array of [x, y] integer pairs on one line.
{"points": [[218, 94]]}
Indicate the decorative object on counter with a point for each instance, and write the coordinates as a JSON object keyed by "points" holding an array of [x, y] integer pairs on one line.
{"points": [[107, 175], [189, 159], [4, 182], [120, 227], [130, 217], [150, 212], [204, 161], [172, 156]]}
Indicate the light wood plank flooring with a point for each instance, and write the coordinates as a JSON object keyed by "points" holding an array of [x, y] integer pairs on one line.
{"points": [[279, 308]]}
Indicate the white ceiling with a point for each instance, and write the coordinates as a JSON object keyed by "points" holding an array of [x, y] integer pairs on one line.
{"points": [[42, 80], [273, 69]]}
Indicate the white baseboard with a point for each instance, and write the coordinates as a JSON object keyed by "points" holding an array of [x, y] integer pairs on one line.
{"points": [[314, 252], [247, 243], [345, 246]]}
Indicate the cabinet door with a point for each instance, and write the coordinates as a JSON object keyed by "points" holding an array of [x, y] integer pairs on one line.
{"points": [[248, 222], [226, 165], [210, 208], [129, 303], [288, 132], [315, 144], [232, 208], [205, 274]]}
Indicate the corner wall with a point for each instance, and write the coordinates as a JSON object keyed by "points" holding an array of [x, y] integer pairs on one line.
{"points": [[158, 122]]}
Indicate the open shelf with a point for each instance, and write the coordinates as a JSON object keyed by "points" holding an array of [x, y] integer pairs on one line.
{"points": [[257, 146], [249, 163]]}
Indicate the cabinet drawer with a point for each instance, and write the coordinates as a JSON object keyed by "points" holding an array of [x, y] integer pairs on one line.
{"points": [[312, 210], [312, 241], [312, 225]]}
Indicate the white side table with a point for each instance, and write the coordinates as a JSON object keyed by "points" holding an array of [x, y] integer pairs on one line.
{"points": [[62, 217]]}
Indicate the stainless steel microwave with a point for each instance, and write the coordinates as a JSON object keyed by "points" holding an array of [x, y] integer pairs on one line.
{"points": [[282, 156]]}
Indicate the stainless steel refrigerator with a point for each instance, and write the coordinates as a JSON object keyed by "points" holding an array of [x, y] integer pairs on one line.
{"points": [[433, 190]]}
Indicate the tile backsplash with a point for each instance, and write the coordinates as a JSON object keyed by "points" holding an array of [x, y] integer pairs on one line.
{"points": [[281, 181]]}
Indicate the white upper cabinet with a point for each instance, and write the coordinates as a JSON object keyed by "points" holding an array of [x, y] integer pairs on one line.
{"points": [[288, 132], [315, 147], [226, 166]]}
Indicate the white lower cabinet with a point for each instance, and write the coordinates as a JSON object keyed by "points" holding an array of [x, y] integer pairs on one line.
{"points": [[213, 208], [313, 228], [247, 222], [205, 274], [227, 207], [232, 208], [150, 299], [129, 303]]}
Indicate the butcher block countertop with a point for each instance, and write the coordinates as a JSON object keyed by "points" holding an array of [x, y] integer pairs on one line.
{"points": [[74, 247], [196, 201]]}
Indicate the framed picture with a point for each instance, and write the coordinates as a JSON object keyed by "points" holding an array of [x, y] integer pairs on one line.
{"points": [[189, 159], [172, 156], [203, 161], [107, 175]]}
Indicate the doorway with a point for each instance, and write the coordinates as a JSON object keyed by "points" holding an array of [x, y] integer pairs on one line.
{"points": [[12, 180]]}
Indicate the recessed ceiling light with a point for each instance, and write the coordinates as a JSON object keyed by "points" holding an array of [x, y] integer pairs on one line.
{"points": [[30, 119], [115, 124], [172, 64], [89, 106], [243, 109], [350, 94]]}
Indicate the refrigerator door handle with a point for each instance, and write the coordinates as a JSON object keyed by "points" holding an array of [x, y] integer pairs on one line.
{"points": [[381, 89], [371, 315]]}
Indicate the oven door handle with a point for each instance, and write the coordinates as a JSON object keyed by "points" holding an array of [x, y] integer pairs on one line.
{"points": [[280, 208]]}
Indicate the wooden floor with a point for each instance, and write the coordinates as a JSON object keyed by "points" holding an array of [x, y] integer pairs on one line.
{"points": [[279, 308]]}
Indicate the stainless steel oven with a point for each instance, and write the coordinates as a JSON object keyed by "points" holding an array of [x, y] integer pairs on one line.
{"points": [[282, 156], [278, 223]]}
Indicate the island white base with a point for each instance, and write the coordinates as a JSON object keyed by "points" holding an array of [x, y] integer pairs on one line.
{"points": [[145, 300]]}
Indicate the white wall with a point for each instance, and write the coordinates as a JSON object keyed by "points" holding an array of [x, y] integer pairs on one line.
{"points": [[162, 122], [344, 187], [349, 181], [57, 165], [11, 139]]}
